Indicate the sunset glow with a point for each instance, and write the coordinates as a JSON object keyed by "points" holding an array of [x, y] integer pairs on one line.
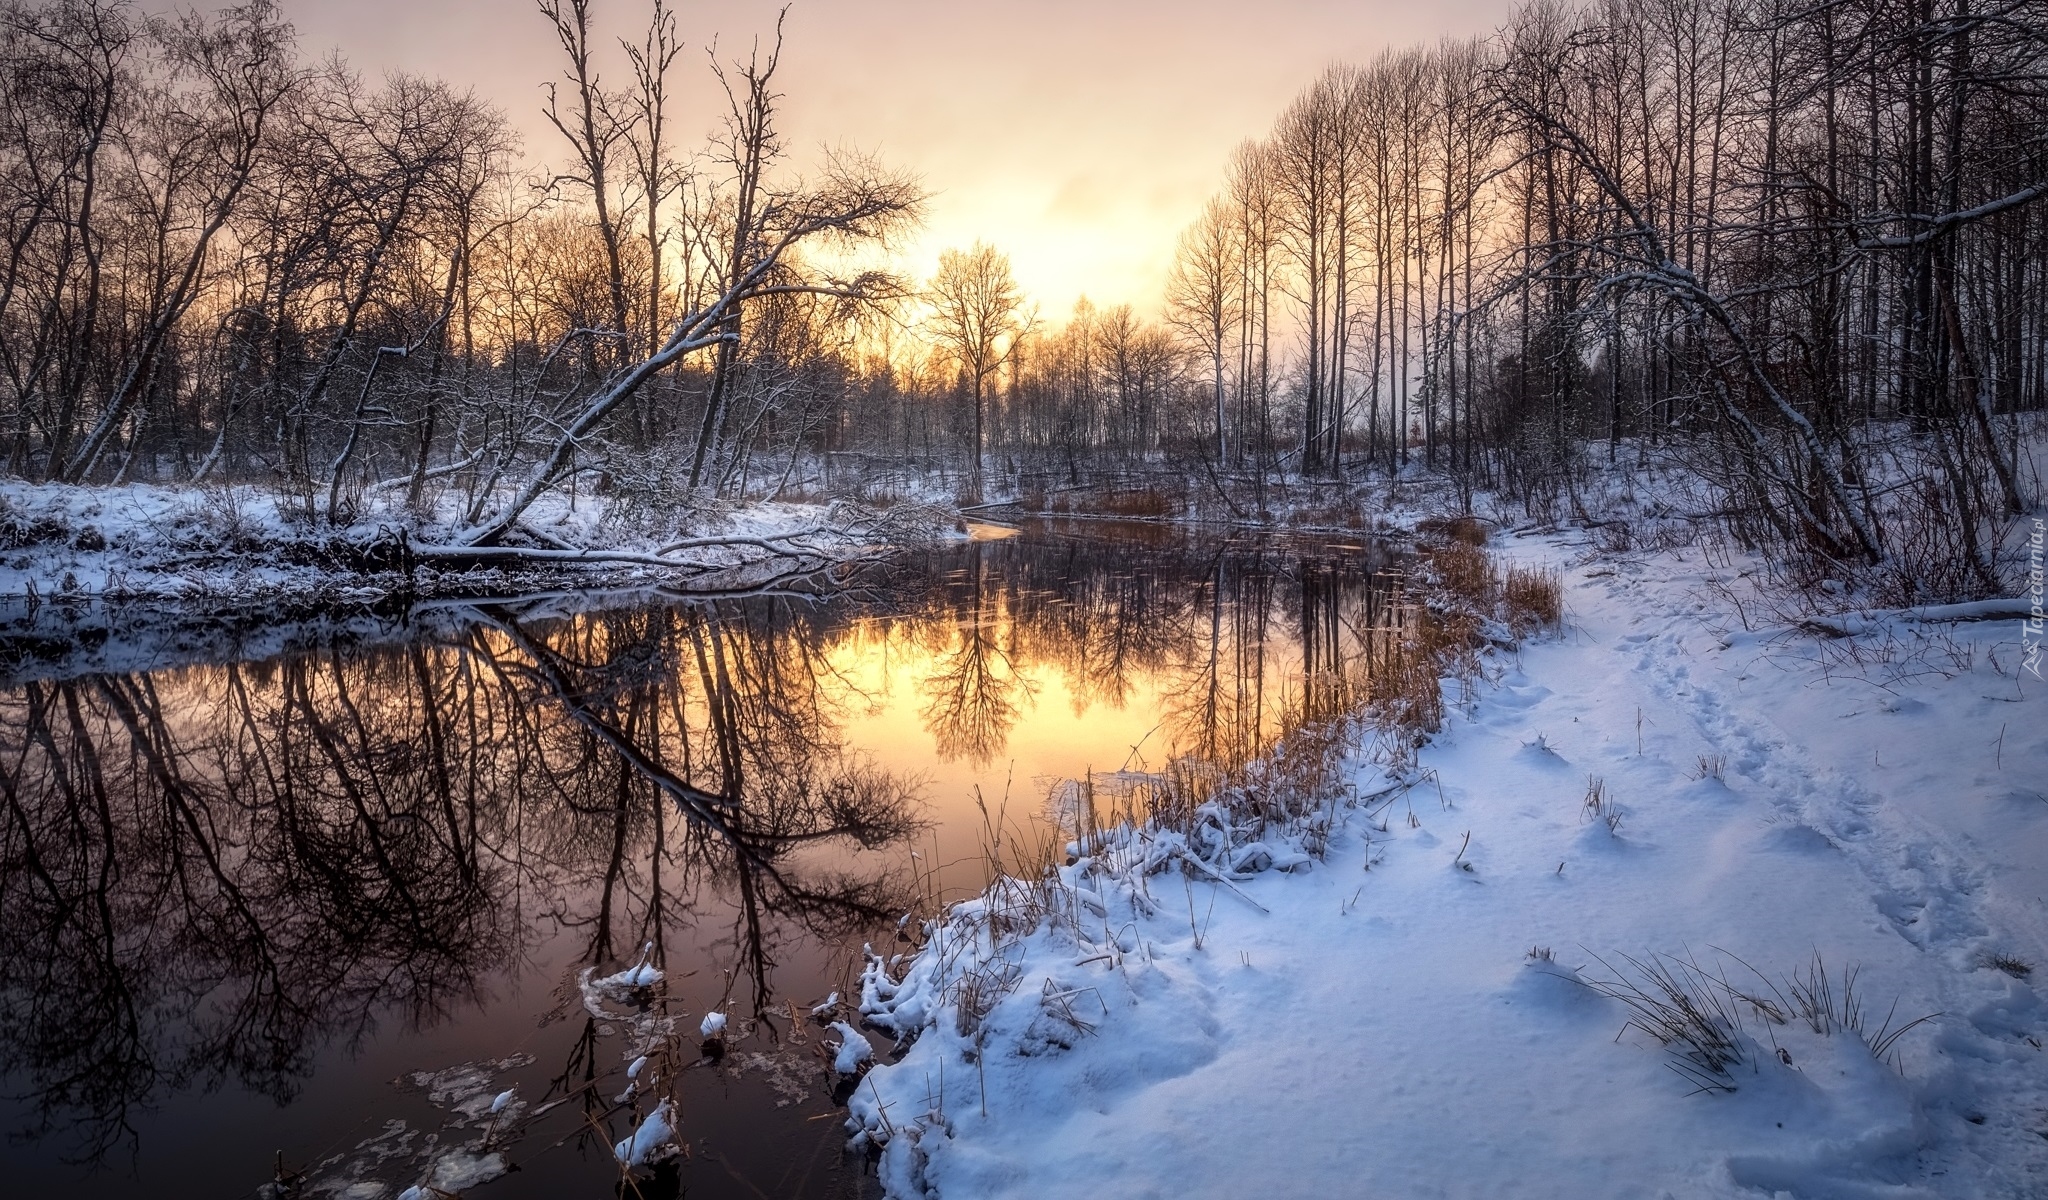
{"points": [[1076, 137]]}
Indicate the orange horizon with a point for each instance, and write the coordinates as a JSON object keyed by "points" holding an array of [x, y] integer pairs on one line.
{"points": [[1077, 138]]}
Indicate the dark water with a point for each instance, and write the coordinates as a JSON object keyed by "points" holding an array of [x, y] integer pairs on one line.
{"points": [[316, 912]]}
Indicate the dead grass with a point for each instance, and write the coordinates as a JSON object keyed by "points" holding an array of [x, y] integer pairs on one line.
{"points": [[1464, 570], [1137, 502], [1824, 1008], [1684, 1008], [979, 989], [1464, 528], [1695, 1013], [1599, 806], [1464, 580], [1407, 694], [1533, 598]]}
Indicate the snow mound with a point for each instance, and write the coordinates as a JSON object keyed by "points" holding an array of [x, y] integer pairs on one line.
{"points": [[853, 1052]]}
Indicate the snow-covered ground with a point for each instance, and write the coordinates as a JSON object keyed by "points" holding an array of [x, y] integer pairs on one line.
{"points": [[1386, 1021], [139, 576], [205, 543]]}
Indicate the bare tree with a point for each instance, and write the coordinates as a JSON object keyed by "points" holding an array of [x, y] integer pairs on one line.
{"points": [[977, 318], [209, 133], [747, 150], [855, 202], [594, 126], [647, 139], [1202, 298]]}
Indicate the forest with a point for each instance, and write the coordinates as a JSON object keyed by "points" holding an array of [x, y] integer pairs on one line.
{"points": [[1795, 250]]}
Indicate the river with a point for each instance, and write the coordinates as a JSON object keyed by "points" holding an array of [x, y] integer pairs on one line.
{"points": [[304, 919]]}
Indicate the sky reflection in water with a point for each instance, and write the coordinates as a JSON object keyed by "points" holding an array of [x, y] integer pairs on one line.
{"points": [[239, 902]]}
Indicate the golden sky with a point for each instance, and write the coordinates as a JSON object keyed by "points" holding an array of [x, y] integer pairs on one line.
{"points": [[1077, 137]]}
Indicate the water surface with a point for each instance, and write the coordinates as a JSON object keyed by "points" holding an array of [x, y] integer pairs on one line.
{"points": [[303, 918]]}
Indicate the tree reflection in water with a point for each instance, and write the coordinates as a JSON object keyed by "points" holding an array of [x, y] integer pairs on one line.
{"points": [[210, 873], [971, 693]]}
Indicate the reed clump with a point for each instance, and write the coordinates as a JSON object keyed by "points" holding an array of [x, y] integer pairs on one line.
{"points": [[1463, 571], [1406, 691], [1464, 528], [1697, 1013], [1464, 587], [1533, 599]]}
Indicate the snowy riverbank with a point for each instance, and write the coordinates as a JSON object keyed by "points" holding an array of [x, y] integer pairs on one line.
{"points": [[218, 543], [109, 578], [1384, 1021]]}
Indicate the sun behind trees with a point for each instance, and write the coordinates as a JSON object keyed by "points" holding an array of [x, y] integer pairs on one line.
{"points": [[1767, 247]]}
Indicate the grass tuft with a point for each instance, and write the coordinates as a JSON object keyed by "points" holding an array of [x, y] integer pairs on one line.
{"points": [[1696, 1013], [1815, 1001], [1464, 528], [1599, 806], [1534, 599], [1685, 1009]]}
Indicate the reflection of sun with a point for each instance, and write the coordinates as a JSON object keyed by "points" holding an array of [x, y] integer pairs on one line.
{"points": [[881, 679], [996, 693]]}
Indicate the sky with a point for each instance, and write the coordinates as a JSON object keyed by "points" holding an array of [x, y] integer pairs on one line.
{"points": [[1079, 138]]}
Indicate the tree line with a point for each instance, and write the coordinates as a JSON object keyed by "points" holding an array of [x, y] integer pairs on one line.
{"points": [[1798, 249], [225, 262]]}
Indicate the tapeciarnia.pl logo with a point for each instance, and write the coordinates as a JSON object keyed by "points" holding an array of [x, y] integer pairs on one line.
{"points": [[2036, 621]]}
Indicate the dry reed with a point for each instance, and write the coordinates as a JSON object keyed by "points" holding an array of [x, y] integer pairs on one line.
{"points": [[1533, 598]]}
